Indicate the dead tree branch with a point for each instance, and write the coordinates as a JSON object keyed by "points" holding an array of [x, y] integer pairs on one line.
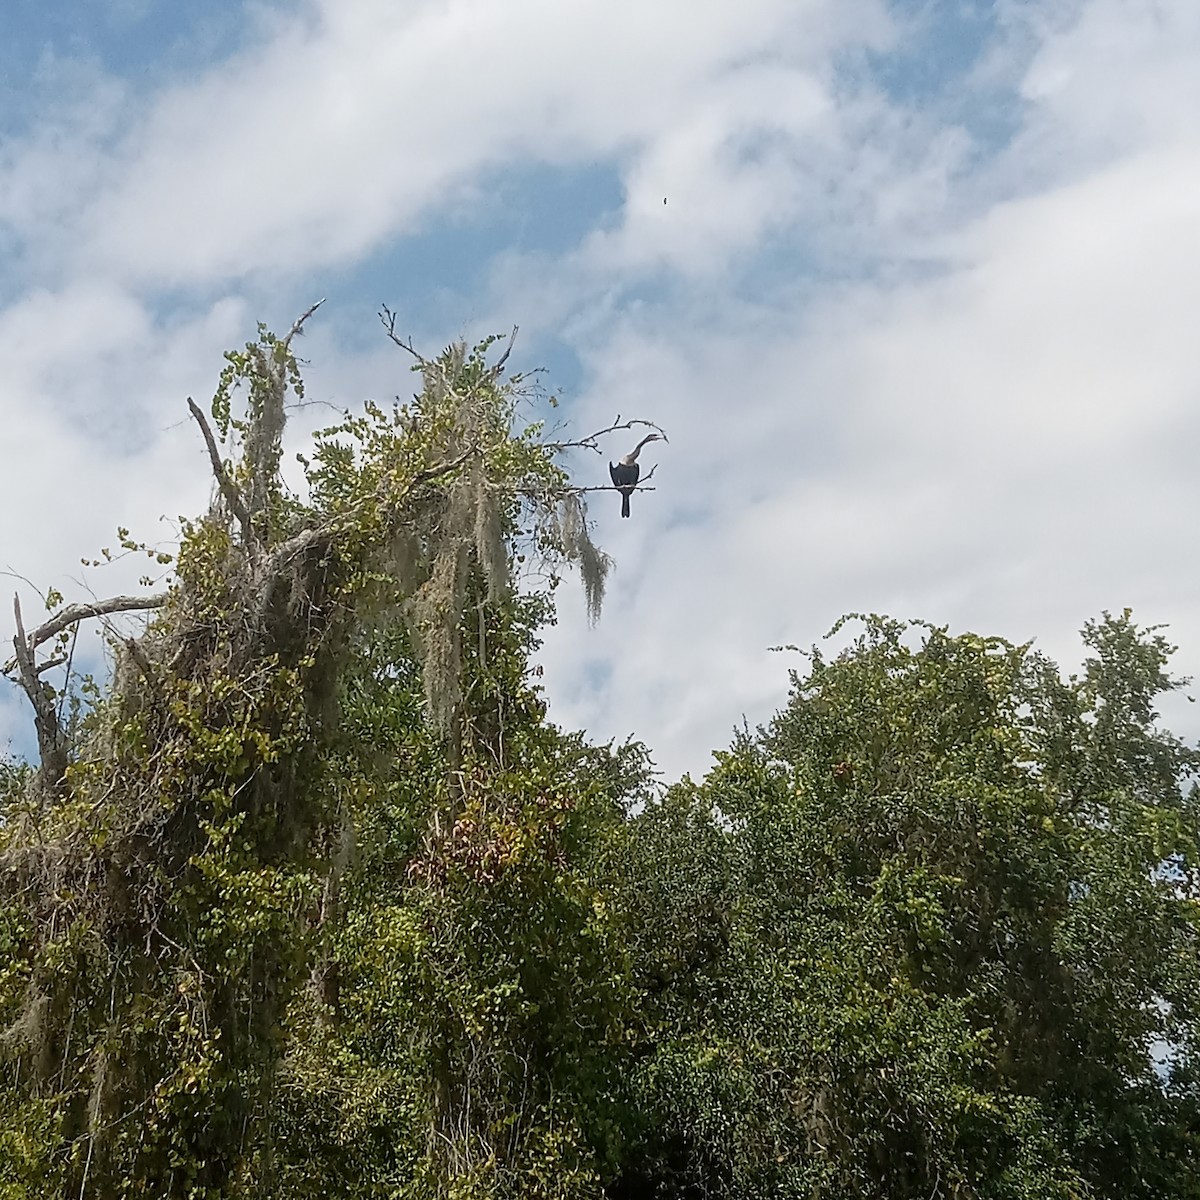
{"points": [[592, 441], [499, 367], [604, 487], [298, 324], [387, 319], [228, 490], [74, 613], [52, 746]]}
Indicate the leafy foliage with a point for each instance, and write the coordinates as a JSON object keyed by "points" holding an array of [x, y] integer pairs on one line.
{"points": [[941, 917]]}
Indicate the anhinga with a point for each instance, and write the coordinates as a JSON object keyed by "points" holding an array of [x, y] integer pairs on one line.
{"points": [[625, 473]]}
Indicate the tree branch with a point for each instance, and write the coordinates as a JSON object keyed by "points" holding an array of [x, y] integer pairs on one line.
{"points": [[592, 441], [228, 490], [608, 487], [51, 745], [387, 319], [499, 367], [437, 472], [298, 324], [74, 613]]}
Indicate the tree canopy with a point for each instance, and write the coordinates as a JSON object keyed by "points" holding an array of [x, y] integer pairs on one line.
{"points": [[311, 899]]}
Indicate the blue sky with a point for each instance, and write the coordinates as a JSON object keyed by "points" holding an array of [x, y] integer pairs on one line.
{"points": [[919, 313]]}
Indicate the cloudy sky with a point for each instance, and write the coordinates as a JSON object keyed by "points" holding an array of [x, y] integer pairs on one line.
{"points": [[921, 312]]}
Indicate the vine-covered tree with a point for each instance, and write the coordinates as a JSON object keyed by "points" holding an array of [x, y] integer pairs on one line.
{"points": [[180, 896]]}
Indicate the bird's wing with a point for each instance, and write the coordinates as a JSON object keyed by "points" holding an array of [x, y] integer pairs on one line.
{"points": [[612, 474]]}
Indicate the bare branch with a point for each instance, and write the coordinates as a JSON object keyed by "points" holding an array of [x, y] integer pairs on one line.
{"points": [[592, 441], [297, 405], [499, 367], [228, 490], [541, 493], [298, 325], [24, 657], [51, 744], [387, 319], [609, 488], [33, 587], [74, 613]]}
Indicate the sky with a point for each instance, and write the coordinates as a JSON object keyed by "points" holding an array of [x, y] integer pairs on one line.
{"points": [[919, 313]]}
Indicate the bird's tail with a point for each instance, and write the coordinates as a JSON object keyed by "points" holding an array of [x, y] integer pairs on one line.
{"points": [[624, 504]]}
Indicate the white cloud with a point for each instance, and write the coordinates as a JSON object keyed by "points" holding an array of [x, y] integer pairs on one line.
{"points": [[351, 120], [1120, 74]]}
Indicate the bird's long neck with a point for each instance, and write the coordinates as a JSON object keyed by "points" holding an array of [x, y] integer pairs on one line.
{"points": [[631, 457]]}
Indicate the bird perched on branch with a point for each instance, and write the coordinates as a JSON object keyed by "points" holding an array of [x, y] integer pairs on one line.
{"points": [[625, 473]]}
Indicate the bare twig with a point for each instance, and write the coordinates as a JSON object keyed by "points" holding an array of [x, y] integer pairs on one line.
{"points": [[298, 325], [387, 319], [33, 587], [62, 700], [228, 490], [297, 405], [592, 441]]}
